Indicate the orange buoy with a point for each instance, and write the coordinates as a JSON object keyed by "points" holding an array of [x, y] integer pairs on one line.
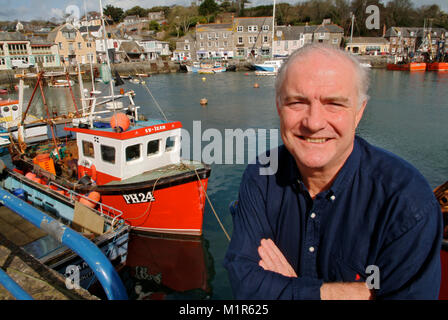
{"points": [[30, 175], [120, 122], [94, 195], [256, 85]]}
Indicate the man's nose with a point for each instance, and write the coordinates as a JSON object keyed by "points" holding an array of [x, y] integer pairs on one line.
{"points": [[314, 119]]}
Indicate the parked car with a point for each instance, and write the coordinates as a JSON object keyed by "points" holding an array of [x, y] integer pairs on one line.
{"points": [[21, 64]]}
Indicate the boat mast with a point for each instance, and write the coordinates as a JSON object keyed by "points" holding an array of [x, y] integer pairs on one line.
{"points": [[351, 31], [107, 53], [273, 26]]}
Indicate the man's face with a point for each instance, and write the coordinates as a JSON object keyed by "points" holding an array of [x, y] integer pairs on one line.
{"points": [[319, 112]]}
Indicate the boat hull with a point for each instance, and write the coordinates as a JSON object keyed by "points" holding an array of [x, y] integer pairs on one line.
{"points": [[172, 204], [413, 66], [437, 66]]}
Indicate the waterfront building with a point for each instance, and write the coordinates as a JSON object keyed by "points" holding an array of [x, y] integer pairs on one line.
{"points": [[408, 40], [367, 45], [214, 41], [289, 38], [73, 47], [252, 36], [153, 48], [185, 48], [113, 46], [45, 53], [328, 33], [14, 46]]}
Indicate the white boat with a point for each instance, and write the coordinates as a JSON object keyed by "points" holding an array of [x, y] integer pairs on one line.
{"points": [[269, 66], [61, 83], [366, 65]]}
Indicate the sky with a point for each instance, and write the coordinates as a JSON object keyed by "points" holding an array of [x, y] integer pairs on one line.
{"points": [[25, 10]]}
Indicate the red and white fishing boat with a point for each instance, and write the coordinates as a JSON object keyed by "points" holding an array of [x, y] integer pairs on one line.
{"points": [[129, 164], [412, 66]]}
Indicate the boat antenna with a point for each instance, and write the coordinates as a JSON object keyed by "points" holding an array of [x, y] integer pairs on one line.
{"points": [[89, 55], [146, 87], [273, 26], [107, 55]]}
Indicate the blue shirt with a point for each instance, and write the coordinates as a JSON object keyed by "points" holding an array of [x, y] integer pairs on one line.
{"points": [[379, 211]]}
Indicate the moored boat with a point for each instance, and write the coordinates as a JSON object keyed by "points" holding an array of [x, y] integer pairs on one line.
{"points": [[134, 165], [437, 66], [412, 66], [269, 66]]}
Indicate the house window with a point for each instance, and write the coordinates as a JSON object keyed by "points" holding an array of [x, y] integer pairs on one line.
{"points": [[153, 147], [187, 47], [2, 61], [252, 39], [240, 40], [60, 45], [225, 43], [217, 35], [265, 27], [87, 149], [239, 29], [79, 45], [108, 154], [201, 36], [225, 35], [265, 39], [209, 44], [170, 143], [89, 45], [133, 152], [252, 28], [335, 40], [201, 44]]}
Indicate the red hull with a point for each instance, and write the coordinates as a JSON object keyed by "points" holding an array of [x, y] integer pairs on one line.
{"points": [[413, 66], [176, 209], [437, 66], [181, 263]]}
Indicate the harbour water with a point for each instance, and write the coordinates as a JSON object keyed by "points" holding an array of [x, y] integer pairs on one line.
{"points": [[406, 115]]}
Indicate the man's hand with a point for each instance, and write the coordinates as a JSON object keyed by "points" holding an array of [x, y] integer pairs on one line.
{"points": [[345, 291], [272, 259]]}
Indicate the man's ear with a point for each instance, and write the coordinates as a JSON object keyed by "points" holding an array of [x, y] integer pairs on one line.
{"points": [[360, 112]]}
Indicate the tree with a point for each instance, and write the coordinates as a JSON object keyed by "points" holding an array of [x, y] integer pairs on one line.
{"points": [[154, 25], [115, 13], [208, 7], [137, 11]]}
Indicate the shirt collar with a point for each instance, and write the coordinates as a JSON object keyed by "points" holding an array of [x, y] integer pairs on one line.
{"points": [[290, 172]]}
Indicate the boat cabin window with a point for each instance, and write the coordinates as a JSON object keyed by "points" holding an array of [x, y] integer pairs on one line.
{"points": [[15, 108], [6, 109], [108, 154], [87, 149], [153, 147], [133, 152], [170, 142]]}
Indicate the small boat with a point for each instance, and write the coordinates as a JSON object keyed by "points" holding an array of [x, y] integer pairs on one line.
{"points": [[143, 75], [269, 66], [11, 117], [437, 66], [68, 207], [205, 68], [411, 66], [366, 64], [61, 83]]}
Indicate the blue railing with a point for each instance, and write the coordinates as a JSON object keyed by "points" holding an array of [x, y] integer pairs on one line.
{"points": [[89, 252], [10, 285]]}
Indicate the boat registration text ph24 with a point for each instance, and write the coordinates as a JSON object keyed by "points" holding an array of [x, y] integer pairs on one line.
{"points": [[132, 198]]}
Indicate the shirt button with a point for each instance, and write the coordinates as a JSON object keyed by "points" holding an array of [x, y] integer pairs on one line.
{"points": [[311, 249], [333, 197], [313, 215]]}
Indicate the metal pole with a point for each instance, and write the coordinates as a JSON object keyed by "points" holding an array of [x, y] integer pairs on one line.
{"points": [[10, 285]]}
